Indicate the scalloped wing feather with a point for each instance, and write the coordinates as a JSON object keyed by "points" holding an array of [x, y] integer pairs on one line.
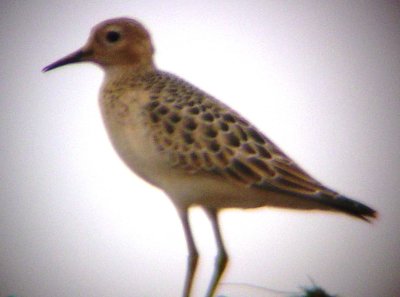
{"points": [[200, 135]]}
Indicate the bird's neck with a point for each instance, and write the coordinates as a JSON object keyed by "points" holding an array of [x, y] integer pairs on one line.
{"points": [[121, 72], [118, 77]]}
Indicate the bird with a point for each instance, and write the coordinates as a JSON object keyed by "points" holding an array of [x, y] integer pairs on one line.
{"points": [[195, 148]]}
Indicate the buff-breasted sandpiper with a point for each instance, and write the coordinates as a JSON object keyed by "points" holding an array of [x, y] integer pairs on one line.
{"points": [[189, 144]]}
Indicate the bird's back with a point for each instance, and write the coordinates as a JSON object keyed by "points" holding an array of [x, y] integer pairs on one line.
{"points": [[206, 153]]}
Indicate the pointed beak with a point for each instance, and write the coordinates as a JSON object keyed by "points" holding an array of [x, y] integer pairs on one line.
{"points": [[78, 56]]}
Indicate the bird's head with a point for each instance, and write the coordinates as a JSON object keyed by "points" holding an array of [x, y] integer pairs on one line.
{"points": [[114, 42]]}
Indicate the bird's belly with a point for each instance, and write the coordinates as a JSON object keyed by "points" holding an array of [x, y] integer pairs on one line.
{"points": [[138, 153], [132, 142]]}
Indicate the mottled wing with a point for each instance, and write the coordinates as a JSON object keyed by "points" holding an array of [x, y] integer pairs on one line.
{"points": [[199, 134]]}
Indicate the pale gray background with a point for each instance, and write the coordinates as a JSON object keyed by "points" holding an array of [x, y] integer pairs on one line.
{"points": [[320, 78]]}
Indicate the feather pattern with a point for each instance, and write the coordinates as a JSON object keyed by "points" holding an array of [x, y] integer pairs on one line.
{"points": [[200, 135]]}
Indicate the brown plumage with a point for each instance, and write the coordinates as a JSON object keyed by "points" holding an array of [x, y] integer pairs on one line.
{"points": [[195, 148]]}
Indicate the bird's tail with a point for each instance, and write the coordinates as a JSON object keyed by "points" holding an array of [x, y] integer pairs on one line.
{"points": [[349, 206]]}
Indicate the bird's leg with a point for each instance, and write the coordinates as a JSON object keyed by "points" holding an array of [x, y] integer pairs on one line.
{"points": [[222, 257], [193, 254]]}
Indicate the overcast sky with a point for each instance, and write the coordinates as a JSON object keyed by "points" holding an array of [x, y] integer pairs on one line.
{"points": [[320, 78]]}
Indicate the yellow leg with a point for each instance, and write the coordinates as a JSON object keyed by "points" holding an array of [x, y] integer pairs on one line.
{"points": [[222, 257], [193, 254]]}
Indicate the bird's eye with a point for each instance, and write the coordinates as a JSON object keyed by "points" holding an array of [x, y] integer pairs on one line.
{"points": [[113, 36]]}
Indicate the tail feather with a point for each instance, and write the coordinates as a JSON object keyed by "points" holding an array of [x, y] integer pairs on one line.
{"points": [[349, 206]]}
